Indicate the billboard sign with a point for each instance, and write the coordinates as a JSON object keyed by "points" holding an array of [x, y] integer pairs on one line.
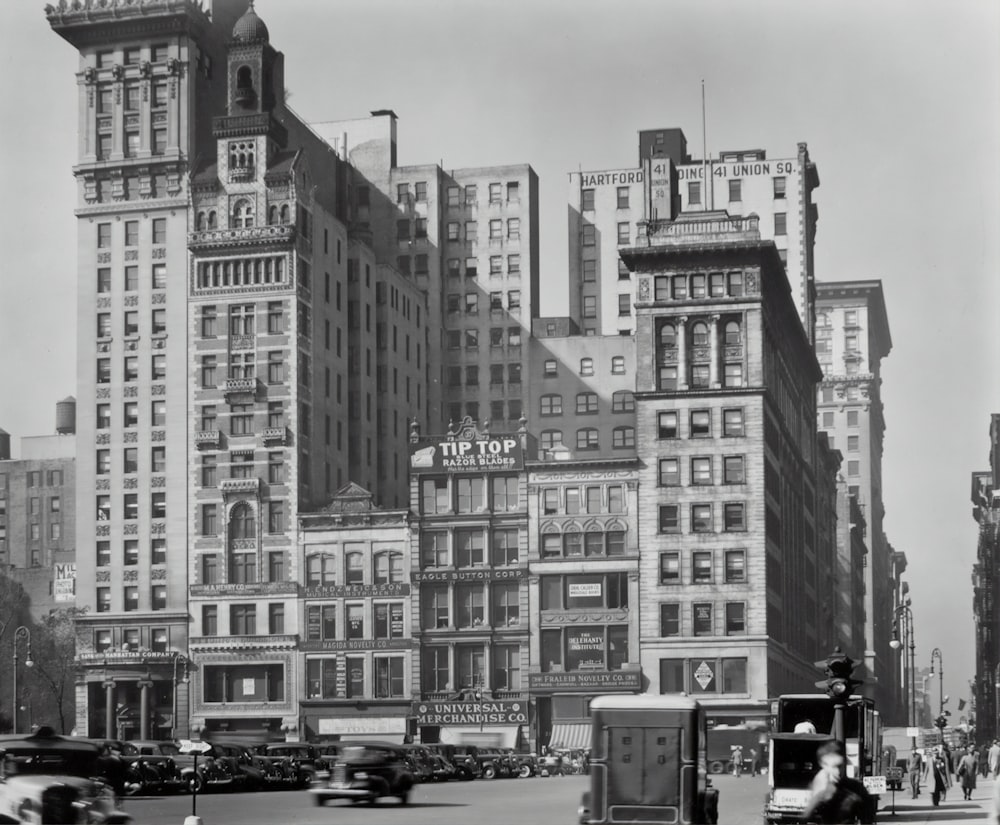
{"points": [[467, 450]]}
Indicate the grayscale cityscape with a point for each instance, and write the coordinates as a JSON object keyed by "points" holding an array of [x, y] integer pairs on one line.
{"points": [[644, 466]]}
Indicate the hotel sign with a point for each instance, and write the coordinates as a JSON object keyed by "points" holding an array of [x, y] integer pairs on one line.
{"points": [[471, 713], [354, 591], [481, 454], [585, 681]]}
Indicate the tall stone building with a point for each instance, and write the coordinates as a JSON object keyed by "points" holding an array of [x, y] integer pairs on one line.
{"points": [[985, 574], [852, 338], [732, 561]]}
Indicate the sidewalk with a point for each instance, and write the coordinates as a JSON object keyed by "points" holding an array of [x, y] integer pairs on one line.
{"points": [[954, 809]]}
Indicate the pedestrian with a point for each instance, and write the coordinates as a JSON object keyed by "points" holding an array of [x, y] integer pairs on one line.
{"points": [[754, 762], [939, 777], [834, 798], [966, 773], [994, 757], [915, 767], [736, 760], [984, 761]]}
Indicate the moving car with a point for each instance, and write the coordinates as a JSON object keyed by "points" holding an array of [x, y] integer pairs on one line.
{"points": [[45, 778], [367, 772]]}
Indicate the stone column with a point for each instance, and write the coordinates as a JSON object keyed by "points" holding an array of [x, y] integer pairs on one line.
{"points": [[713, 340], [144, 687], [682, 361], [109, 709]]}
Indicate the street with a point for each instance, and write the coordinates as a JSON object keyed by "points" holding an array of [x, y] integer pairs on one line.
{"points": [[537, 801]]}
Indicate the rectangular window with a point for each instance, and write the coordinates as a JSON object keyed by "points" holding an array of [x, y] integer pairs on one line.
{"points": [[495, 193], [701, 567], [670, 520], [736, 624], [470, 194], [389, 681], [623, 233], [103, 416], [158, 367], [276, 618], [701, 470], [103, 235], [735, 517], [104, 279], [670, 568], [701, 518], [670, 472], [670, 619], [735, 191], [736, 566], [623, 194], [513, 229], [469, 548], [732, 423], [209, 520], [103, 556], [779, 188], [733, 471], [624, 305], [131, 598], [702, 618], [780, 223], [158, 413], [158, 597], [130, 414], [587, 200], [694, 192], [103, 599], [667, 425], [210, 620], [701, 424], [158, 551], [243, 619]]}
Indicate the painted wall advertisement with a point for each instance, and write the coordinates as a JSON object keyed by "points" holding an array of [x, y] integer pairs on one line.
{"points": [[489, 454], [585, 648], [64, 587]]}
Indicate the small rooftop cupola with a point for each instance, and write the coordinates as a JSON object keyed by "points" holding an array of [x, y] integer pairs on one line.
{"points": [[250, 28]]}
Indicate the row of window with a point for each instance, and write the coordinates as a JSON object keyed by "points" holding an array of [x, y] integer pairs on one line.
{"points": [[243, 320], [454, 230], [698, 285], [453, 194], [454, 375], [241, 567], [466, 547], [469, 338], [454, 266], [551, 366], [34, 534], [622, 401], [132, 143], [130, 325], [702, 518], [130, 369], [132, 55], [130, 506], [324, 680], [242, 520], [157, 280], [469, 303], [700, 424], [699, 376], [701, 471], [468, 494], [385, 620], [457, 410], [130, 598], [242, 465], [131, 638], [700, 334], [37, 478], [130, 460], [158, 233], [779, 189], [130, 409], [695, 677], [328, 569], [589, 499], [587, 198], [590, 276], [588, 234], [702, 620], [470, 606], [589, 438], [594, 647], [464, 665], [576, 544], [701, 568]]}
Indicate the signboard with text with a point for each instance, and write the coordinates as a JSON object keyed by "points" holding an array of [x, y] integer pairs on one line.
{"points": [[319, 645], [488, 574], [590, 681], [467, 450], [252, 589], [356, 591], [487, 712], [64, 587], [585, 648]]}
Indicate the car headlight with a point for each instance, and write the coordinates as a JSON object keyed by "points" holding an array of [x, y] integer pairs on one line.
{"points": [[361, 775]]}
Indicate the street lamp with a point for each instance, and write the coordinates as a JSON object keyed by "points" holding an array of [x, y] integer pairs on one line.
{"points": [[21, 633], [936, 652], [907, 642]]}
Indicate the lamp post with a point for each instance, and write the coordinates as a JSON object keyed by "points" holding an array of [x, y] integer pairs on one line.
{"points": [[936, 652], [21, 633], [909, 669]]}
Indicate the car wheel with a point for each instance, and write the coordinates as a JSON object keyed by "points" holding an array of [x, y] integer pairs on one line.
{"points": [[525, 771], [404, 798], [133, 783], [489, 772], [320, 800], [717, 767]]}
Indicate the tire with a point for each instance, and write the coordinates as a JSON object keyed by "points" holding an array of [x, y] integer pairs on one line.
{"points": [[320, 801], [717, 767], [133, 783], [525, 771], [404, 798], [489, 772]]}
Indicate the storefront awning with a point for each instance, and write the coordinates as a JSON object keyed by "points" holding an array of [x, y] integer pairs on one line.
{"points": [[497, 736], [574, 736]]}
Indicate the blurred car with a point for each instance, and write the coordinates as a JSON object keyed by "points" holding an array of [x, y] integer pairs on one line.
{"points": [[247, 773], [155, 766], [421, 762], [49, 778], [464, 763], [366, 772], [442, 769]]}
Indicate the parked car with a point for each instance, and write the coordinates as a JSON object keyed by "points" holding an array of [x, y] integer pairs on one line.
{"points": [[527, 765], [464, 763], [367, 772], [49, 778], [156, 766], [236, 759], [420, 761], [299, 760], [495, 764], [442, 769]]}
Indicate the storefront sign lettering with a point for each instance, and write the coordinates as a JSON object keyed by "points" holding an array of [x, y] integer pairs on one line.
{"points": [[489, 454], [355, 591], [356, 644], [258, 588], [471, 713], [589, 680], [611, 178], [469, 575]]}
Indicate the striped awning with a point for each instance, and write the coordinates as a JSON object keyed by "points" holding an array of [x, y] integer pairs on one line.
{"points": [[571, 735]]}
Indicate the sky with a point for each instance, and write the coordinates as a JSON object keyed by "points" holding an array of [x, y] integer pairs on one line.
{"points": [[899, 103]]}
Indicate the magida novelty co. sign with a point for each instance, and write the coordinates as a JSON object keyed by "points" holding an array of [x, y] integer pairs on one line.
{"points": [[485, 454]]}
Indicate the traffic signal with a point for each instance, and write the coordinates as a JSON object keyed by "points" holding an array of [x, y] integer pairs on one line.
{"points": [[838, 667], [942, 720]]}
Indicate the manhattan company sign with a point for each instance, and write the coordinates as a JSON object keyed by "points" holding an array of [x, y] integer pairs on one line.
{"points": [[471, 713]]}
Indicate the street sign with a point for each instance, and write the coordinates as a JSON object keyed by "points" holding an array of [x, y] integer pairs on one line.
{"points": [[894, 774], [875, 785]]}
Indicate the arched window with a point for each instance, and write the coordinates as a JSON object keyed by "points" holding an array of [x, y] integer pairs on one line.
{"points": [[355, 567], [244, 78], [668, 336], [699, 334], [587, 438], [284, 213], [733, 332], [272, 215], [243, 215], [200, 223], [242, 524], [213, 221], [388, 568]]}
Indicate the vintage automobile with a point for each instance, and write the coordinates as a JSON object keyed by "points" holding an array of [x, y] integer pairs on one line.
{"points": [[297, 762], [443, 770], [50, 779], [420, 761], [365, 772], [496, 763], [236, 760], [463, 761]]}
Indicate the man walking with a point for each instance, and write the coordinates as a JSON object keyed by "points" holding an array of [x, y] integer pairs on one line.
{"points": [[915, 767], [994, 756]]}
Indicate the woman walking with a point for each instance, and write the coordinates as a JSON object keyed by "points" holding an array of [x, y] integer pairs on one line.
{"points": [[966, 773], [939, 777]]}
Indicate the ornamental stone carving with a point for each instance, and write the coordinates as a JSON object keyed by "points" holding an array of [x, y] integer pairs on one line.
{"points": [[103, 257], [158, 574], [130, 575], [130, 438], [132, 344], [130, 392], [103, 303], [103, 438], [753, 284], [131, 254], [131, 529], [102, 576], [102, 483], [158, 389], [103, 392], [102, 530], [158, 435], [104, 346], [131, 300], [643, 289], [159, 298], [130, 483], [158, 481], [159, 252], [158, 528]]}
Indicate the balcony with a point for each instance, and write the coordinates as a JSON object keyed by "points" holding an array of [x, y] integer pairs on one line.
{"points": [[275, 234], [208, 438], [239, 485], [239, 387], [275, 435]]}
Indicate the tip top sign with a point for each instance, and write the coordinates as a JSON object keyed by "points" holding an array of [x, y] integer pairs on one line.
{"points": [[490, 454]]}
